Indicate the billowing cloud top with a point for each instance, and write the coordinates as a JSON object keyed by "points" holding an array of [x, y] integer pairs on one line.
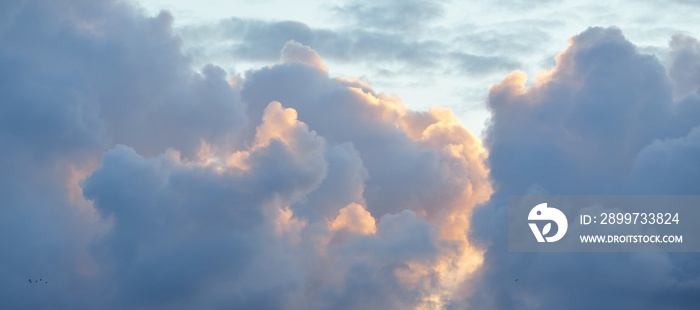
{"points": [[131, 181]]}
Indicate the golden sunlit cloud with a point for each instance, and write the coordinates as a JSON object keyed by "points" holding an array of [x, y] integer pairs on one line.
{"points": [[355, 218]]}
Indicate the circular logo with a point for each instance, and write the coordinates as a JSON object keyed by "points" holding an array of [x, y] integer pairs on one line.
{"points": [[542, 213]]}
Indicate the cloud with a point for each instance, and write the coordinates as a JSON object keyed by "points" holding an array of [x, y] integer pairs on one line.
{"points": [[260, 41], [134, 181], [293, 51], [356, 219], [256, 40], [184, 213], [509, 38], [102, 77], [470, 63], [392, 15], [182, 227], [603, 121]]}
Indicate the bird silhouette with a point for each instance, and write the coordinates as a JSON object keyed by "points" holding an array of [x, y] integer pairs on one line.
{"points": [[30, 280]]}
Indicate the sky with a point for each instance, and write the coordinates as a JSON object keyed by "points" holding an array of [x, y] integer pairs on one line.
{"points": [[335, 155]]}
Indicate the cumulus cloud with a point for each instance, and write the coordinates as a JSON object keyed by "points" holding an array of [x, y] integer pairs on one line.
{"points": [[76, 79], [244, 214], [293, 51], [355, 218], [134, 181], [603, 121]]}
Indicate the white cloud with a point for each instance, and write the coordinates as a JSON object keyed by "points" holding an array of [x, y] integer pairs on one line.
{"points": [[293, 51]]}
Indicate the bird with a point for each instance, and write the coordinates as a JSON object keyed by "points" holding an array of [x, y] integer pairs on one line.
{"points": [[47, 282], [516, 280], [30, 280]]}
